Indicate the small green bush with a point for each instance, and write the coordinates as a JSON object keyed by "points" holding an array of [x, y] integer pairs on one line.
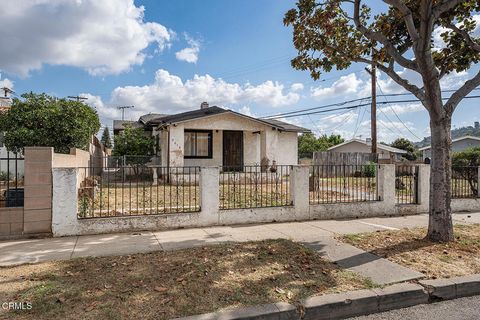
{"points": [[370, 169]]}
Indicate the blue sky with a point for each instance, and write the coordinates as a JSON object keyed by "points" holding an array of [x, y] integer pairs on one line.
{"points": [[169, 56]]}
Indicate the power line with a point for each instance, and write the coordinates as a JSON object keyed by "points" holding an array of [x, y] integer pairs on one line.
{"points": [[394, 112], [349, 107]]}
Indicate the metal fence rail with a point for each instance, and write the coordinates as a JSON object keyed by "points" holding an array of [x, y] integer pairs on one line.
{"points": [[464, 182], [254, 187], [343, 183], [406, 184], [137, 190], [11, 180]]}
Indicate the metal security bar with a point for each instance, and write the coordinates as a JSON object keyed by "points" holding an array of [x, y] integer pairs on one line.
{"points": [[343, 183], [137, 190], [11, 180], [254, 187], [464, 182], [406, 184]]}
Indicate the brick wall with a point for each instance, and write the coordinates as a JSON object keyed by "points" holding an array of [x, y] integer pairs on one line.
{"points": [[11, 222]]}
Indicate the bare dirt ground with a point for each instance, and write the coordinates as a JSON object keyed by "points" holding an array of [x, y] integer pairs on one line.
{"points": [[409, 248], [163, 285]]}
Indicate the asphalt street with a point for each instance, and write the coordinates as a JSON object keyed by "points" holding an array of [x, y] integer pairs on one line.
{"points": [[458, 309]]}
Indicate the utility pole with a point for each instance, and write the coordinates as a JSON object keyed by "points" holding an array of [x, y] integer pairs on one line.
{"points": [[78, 98], [373, 112], [123, 110]]}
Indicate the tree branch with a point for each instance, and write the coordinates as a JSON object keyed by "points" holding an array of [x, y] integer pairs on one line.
{"points": [[416, 91], [407, 16], [379, 37], [445, 6], [475, 46], [461, 93]]}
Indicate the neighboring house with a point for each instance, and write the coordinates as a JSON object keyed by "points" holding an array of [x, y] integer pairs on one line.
{"points": [[365, 146], [212, 136], [458, 145]]}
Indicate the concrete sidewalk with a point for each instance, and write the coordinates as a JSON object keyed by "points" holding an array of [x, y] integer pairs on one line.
{"points": [[315, 234]]}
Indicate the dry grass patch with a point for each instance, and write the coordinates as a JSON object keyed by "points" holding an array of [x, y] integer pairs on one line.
{"points": [[163, 285], [409, 248]]}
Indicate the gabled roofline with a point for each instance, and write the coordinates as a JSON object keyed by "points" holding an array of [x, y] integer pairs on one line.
{"points": [[379, 146], [453, 140], [162, 125]]}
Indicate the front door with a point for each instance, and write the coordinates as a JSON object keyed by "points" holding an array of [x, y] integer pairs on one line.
{"points": [[232, 150]]}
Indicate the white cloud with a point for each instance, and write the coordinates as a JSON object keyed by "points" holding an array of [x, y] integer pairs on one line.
{"points": [[345, 85], [296, 87], [189, 54], [169, 94], [246, 111], [361, 87], [402, 108], [102, 37]]}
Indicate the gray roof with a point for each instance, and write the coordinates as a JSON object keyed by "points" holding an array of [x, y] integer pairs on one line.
{"points": [[206, 112], [379, 146], [146, 118], [453, 141], [189, 115]]}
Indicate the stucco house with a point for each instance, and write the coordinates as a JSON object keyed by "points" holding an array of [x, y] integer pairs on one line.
{"points": [[459, 144], [365, 146], [213, 136]]}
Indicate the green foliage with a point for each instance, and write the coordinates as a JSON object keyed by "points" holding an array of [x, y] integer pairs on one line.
{"points": [[370, 169], [326, 36], [308, 143], [133, 142], [106, 140], [407, 145], [45, 121], [467, 158]]}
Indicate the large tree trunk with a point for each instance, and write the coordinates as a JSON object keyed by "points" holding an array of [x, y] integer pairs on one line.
{"points": [[440, 227]]}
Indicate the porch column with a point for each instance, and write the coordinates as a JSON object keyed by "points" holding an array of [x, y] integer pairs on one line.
{"points": [[209, 195]]}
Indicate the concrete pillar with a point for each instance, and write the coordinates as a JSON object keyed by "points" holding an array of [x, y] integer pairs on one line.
{"points": [[38, 190], [299, 192], [386, 184], [65, 201], [424, 186], [209, 195]]}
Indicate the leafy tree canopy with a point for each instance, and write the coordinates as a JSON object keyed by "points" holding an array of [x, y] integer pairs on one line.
{"points": [[134, 143], [308, 143], [44, 121], [407, 145], [467, 158], [399, 40], [106, 140]]}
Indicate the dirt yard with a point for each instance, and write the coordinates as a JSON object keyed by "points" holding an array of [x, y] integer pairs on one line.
{"points": [[163, 285], [409, 248]]}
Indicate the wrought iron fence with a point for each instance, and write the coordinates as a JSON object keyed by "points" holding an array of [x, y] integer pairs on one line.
{"points": [[137, 190], [254, 187], [464, 182], [406, 184], [343, 183], [11, 180]]}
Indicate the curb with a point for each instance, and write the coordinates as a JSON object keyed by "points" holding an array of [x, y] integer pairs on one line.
{"points": [[355, 303]]}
